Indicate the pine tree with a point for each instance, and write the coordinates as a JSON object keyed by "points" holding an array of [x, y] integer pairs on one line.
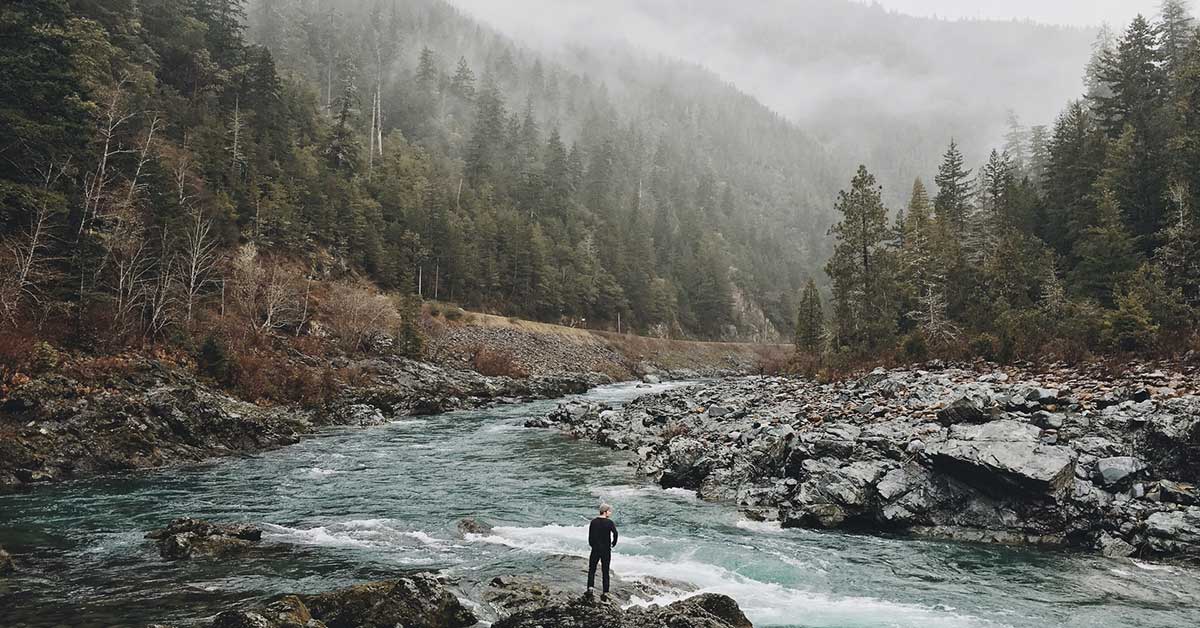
{"points": [[344, 150], [1016, 142], [1133, 73], [1075, 164], [1106, 254], [1104, 45], [1179, 256], [810, 322], [463, 82], [1039, 155], [1177, 34], [921, 272], [952, 202], [427, 71], [224, 21], [861, 267], [488, 136]]}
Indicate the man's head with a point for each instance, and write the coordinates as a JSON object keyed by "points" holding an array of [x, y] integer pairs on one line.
{"points": [[605, 510]]}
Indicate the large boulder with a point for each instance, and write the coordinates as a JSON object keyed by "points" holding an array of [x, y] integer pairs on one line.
{"points": [[968, 408], [1004, 458], [471, 525], [1110, 471], [1174, 533], [418, 601], [686, 464], [702, 611], [191, 538]]}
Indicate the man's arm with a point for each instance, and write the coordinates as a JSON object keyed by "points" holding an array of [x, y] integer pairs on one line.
{"points": [[614, 534]]}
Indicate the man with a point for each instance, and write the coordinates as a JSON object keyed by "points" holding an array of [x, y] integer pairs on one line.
{"points": [[602, 536]]}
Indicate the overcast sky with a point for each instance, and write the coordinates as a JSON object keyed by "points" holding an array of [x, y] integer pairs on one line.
{"points": [[1074, 12]]}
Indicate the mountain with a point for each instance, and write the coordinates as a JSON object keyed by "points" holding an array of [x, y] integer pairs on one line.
{"points": [[874, 86]]}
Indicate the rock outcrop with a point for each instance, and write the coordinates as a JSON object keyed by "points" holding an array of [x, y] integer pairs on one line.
{"points": [[425, 600], [1058, 458], [55, 428], [192, 538], [416, 601], [528, 603]]}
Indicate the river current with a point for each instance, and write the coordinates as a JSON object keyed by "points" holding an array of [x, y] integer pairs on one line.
{"points": [[352, 505]]}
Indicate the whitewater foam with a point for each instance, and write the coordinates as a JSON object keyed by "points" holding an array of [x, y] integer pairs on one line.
{"points": [[765, 603]]}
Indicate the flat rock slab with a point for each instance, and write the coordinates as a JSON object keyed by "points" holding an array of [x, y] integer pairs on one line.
{"points": [[1005, 458]]}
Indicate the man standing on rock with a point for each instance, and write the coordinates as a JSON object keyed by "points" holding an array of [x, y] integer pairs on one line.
{"points": [[602, 536]]}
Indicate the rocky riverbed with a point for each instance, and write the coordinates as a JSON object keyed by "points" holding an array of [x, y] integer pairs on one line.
{"points": [[432, 600], [153, 415], [1054, 457]]}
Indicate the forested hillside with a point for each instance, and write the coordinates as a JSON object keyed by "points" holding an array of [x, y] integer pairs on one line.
{"points": [[1079, 238], [154, 149], [872, 85]]}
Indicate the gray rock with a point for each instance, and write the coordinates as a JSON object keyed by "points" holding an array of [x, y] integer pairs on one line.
{"points": [[1114, 547], [1111, 471], [192, 538], [1003, 458], [970, 408], [471, 525]]}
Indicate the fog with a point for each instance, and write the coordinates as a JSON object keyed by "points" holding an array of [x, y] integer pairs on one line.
{"points": [[1067, 12], [786, 54], [877, 85]]}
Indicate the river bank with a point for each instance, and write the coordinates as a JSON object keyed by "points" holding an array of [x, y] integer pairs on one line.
{"points": [[350, 506], [1058, 457], [149, 414]]}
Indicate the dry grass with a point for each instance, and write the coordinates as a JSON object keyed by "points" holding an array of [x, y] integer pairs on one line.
{"points": [[495, 363]]}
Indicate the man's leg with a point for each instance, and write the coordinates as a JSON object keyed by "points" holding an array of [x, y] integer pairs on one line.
{"points": [[606, 559], [592, 560]]}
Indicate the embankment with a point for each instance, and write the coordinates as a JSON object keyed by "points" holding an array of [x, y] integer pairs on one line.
{"points": [[1060, 457]]}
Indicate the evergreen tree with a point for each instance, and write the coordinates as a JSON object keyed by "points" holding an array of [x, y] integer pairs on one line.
{"points": [[463, 82], [428, 74], [954, 190], [1076, 160], [810, 322], [1132, 72], [861, 267], [1177, 34], [1106, 254]]}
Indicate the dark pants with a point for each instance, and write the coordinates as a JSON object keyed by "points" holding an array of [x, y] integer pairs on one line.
{"points": [[604, 557]]}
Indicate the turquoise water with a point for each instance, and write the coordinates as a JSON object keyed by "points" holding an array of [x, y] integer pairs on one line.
{"points": [[354, 505]]}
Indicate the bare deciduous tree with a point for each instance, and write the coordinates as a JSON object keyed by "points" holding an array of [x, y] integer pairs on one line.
{"points": [[358, 313], [265, 291], [26, 252]]}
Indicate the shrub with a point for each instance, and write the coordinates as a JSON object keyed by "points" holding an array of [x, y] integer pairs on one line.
{"points": [[213, 360], [772, 360], [455, 314], [986, 346], [1130, 327], [916, 348], [15, 351], [356, 313], [805, 364], [45, 357], [496, 363]]}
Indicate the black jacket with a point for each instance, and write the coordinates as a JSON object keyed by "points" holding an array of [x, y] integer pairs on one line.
{"points": [[599, 532]]}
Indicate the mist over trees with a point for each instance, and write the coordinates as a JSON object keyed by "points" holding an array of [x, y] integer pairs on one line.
{"points": [[167, 164], [1070, 240]]}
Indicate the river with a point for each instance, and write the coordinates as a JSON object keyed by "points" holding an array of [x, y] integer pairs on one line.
{"points": [[360, 504]]}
